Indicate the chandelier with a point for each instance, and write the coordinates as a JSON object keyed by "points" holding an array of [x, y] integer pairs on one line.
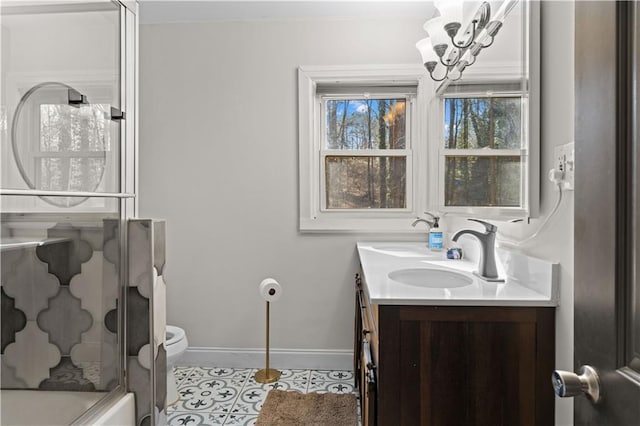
{"points": [[459, 33]]}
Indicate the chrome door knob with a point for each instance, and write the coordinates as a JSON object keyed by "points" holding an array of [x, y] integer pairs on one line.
{"points": [[567, 384]]}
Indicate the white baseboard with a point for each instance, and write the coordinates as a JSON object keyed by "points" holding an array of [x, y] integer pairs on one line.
{"points": [[306, 359]]}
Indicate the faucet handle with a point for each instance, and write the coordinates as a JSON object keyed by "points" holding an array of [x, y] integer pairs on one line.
{"points": [[433, 216], [490, 227]]}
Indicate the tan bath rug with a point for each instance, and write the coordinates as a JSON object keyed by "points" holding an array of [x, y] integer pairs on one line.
{"points": [[283, 408]]}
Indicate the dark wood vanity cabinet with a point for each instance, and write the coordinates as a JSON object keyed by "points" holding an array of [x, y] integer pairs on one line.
{"points": [[454, 365]]}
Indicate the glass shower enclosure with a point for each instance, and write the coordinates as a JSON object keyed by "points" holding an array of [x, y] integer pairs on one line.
{"points": [[67, 180]]}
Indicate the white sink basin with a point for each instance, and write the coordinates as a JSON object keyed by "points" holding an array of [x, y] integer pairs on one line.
{"points": [[431, 278]]}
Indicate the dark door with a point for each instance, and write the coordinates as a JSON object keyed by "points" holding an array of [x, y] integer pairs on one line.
{"points": [[607, 197]]}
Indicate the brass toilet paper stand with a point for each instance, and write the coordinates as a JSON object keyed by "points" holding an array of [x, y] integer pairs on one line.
{"points": [[267, 375]]}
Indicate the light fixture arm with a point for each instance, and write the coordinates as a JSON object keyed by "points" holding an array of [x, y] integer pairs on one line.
{"points": [[431, 66], [440, 50], [458, 77], [449, 28], [448, 63], [462, 64], [484, 46], [481, 32], [492, 30], [478, 23]]}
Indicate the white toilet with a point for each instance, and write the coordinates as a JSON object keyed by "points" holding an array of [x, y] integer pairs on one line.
{"points": [[176, 344]]}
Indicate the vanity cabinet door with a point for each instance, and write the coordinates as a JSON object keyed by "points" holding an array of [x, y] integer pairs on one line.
{"points": [[465, 366]]}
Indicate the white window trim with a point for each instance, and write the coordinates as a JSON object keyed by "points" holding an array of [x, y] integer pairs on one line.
{"points": [[312, 218]]}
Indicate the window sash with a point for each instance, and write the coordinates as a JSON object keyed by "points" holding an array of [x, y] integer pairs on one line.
{"points": [[407, 152], [523, 153], [70, 154], [367, 153], [409, 105], [507, 211], [484, 152], [524, 142], [484, 94]]}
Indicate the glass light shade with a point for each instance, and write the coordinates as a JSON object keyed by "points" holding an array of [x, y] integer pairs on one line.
{"points": [[435, 28], [425, 48], [450, 10], [470, 10]]}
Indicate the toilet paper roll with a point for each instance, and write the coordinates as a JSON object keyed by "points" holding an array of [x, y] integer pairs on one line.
{"points": [[270, 290]]}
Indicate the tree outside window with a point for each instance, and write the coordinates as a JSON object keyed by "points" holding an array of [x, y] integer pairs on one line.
{"points": [[364, 153]]}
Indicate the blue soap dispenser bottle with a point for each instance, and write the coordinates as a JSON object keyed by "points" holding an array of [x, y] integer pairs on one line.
{"points": [[436, 237]]}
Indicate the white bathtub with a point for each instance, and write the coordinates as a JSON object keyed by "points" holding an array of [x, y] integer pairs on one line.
{"points": [[58, 408]]}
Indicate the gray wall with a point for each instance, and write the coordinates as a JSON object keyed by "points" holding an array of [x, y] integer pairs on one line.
{"points": [[218, 160], [557, 117]]}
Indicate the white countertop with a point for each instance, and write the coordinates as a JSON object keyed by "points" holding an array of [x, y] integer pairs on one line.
{"points": [[529, 281]]}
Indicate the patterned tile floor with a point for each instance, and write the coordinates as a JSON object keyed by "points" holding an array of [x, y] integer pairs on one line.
{"points": [[231, 396]]}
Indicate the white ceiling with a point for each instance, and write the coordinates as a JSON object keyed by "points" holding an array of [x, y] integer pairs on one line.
{"points": [[158, 11]]}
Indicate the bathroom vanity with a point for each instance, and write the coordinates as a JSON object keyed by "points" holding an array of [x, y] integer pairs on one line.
{"points": [[435, 345]]}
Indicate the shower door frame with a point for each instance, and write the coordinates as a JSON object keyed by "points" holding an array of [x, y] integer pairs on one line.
{"points": [[128, 182], [128, 186]]}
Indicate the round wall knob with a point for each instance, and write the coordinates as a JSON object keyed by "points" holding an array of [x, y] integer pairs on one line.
{"points": [[567, 384]]}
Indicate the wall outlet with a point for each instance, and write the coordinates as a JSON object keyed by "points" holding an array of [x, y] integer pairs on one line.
{"points": [[564, 161]]}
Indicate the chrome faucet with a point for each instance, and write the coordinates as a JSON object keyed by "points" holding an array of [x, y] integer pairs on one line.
{"points": [[430, 223], [418, 220], [487, 265]]}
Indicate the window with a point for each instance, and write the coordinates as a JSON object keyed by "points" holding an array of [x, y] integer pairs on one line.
{"points": [[360, 147], [484, 155], [365, 153], [60, 146], [73, 143], [378, 147], [482, 151]]}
